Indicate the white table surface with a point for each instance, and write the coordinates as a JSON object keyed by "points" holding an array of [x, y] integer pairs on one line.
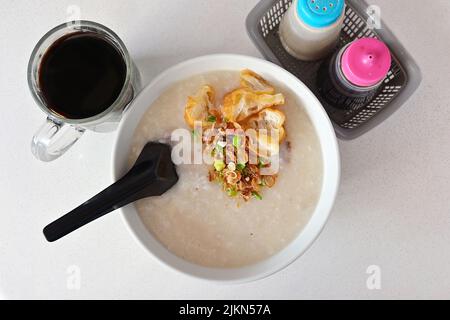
{"points": [[393, 207]]}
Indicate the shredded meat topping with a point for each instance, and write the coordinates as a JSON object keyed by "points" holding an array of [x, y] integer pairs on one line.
{"points": [[249, 107]]}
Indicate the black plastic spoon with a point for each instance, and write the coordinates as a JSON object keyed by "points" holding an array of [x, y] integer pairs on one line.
{"points": [[153, 174]]}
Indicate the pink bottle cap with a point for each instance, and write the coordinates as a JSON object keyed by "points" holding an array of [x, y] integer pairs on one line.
{"points": [[366, 62]]}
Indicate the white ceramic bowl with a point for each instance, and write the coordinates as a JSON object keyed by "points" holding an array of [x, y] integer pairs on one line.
{"points": [[320, 120]]}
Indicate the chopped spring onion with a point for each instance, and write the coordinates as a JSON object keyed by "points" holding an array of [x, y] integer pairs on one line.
{"points": [[240, 166], [231, 166], [261, 163], [219, 165], [195, 134], [232, 192], [256, 195], [221, 143], [236, 141], [218, 148], [211, 118]]}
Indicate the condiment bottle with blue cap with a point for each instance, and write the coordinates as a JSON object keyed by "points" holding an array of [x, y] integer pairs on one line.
{"points": [[310, 29]]}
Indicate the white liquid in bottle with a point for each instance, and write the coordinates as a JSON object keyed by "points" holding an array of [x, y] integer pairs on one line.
{"points": [[310, 28]]}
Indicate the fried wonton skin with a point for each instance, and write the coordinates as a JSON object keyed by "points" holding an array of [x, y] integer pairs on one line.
{"points": [[265, 144], [241, 103], [269, 119], [199, 107], [255, 82]]}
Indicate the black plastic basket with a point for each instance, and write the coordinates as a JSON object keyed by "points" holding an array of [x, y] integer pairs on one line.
{"points": [[403, 78]]}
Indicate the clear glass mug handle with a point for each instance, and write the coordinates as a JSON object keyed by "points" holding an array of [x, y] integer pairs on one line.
{"points": [[53, 139]]}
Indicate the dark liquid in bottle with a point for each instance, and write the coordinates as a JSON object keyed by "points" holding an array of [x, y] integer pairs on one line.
{"points": [[81, 75], [336, 92]]}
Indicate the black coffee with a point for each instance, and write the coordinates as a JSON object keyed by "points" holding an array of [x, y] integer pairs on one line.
{"points": [[81, 75]]}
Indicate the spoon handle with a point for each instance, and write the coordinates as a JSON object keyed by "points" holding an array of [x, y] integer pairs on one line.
{"points": [[119, 194]]}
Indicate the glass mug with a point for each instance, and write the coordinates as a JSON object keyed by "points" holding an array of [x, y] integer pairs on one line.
{"points": [[59, 132]]}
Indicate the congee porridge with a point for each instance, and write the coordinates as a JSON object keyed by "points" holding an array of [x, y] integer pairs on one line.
{"points": [[228, 213]]}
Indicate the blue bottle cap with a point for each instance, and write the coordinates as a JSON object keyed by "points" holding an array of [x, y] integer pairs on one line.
{"points": [[320, 13]]}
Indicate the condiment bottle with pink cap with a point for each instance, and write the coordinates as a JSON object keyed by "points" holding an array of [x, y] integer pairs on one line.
{"points": [[351, 77]]}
